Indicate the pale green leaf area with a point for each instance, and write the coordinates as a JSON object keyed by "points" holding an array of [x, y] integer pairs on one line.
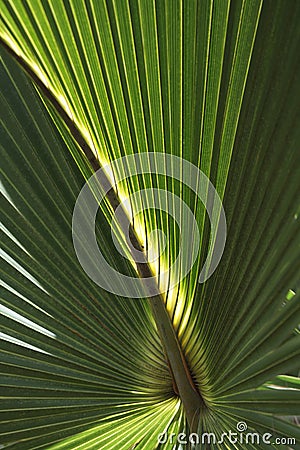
{"points": [[84, 82]]}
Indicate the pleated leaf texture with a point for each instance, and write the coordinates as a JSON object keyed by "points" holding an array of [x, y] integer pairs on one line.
{"points": [[210, 83]]}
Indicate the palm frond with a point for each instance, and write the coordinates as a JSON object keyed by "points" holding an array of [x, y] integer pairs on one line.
{"points": [[214, 83]]}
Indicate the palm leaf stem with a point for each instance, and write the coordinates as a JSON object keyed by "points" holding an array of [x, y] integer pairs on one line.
{"points": [[183, 383]]}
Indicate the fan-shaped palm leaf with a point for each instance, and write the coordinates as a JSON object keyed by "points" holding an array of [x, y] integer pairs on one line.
{"points": [[214, 83]]}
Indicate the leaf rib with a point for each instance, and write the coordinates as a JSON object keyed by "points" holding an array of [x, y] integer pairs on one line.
{"points": [[191, 399]]}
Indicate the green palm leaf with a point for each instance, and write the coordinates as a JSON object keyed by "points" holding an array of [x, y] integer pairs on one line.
{"points": [[215, 84]]}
